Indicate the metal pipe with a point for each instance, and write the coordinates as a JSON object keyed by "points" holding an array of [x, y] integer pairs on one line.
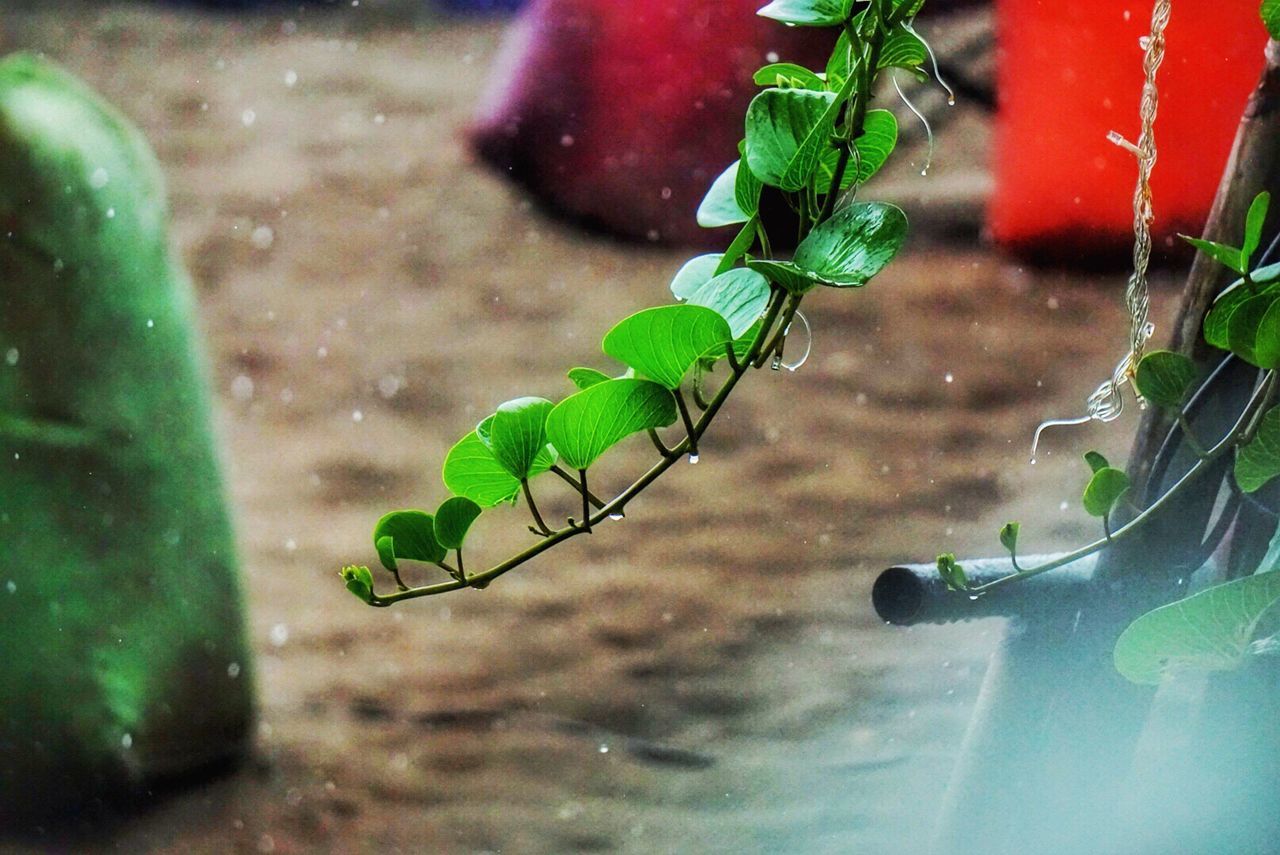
{"points": [[915, 593]]}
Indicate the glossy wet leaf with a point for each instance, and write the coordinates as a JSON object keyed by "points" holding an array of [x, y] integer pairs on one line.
{"points": [[1095, 460], [1253, 223], [517, 434], [1164, 378], [585, 378], [786, 131], [585, 425], [788, 75], [1105, 489], [453, 519], [662, 343], [843, 252], [806, 13], [872, 149], [1259, 461], [739, 296], [471, 470], [1208, 631], [359, 581], [693, 274], [412, 536], [720, 206], [842, 58], [1227, 256], [746, 186], [1009, 537], [1244, 325]]}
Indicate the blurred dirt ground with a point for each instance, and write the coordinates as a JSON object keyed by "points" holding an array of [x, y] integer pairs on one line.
{"points": [[707, 676]]}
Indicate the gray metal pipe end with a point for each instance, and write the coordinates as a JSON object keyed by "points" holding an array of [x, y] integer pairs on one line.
{"points": [[898, 595]]}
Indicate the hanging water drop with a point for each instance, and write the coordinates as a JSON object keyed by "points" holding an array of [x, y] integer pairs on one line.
{"points": [[777, 362], [694, 458], [617, 516], [807, 332]]}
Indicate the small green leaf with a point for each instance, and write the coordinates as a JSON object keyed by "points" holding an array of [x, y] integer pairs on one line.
{"points": [[662, 343], [1105, 489], [720, 206], [471, 470], [739, 296], [843, 252], [585, 425], [1246, 322], [1164, 378], [746, 186], [1259, 461], [1208, 631], [786, 130], [585, 378], [693, 274], [413, 537], [871, 150], [359, 581], [742, 242], [1253, 222], [806, 13], [453, 519], [1228, 256], [517, 434], [1009, 537], [1271, 17], [788, 75], [1096, 461], [952, 573], [841, 60]]}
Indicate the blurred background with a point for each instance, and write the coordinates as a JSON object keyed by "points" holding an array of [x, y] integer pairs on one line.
{"points": [[707, 676]]}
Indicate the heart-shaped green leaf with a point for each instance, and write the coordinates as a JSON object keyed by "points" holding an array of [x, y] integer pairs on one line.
{"points": [[517, 434], [788, 75], [951, 572], [1095, 460], [1208, 631], [453, 519], [693, 274], [585, 425], [806, 13], [1164, 378], [843, 252], [1271, 17], [720, 206], [1259, 461], [585, 378], [1245, 323], [1217, 322], [411, 535], [739, 296], [1009, 537], [662, 343], [1105, 489], [471, 470], [870, 151], [786, 131]]}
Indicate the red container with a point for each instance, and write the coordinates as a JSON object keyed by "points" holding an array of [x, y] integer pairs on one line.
{"points": [[1071, 72]]}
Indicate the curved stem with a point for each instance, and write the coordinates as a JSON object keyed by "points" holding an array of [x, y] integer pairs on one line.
{"points": [[573, 482], [533, 507]]}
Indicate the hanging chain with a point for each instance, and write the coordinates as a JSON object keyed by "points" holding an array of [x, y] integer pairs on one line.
{"points": [[1107, 401]]}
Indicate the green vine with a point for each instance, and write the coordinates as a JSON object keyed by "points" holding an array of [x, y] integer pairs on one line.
{"points": [[813, 137]]}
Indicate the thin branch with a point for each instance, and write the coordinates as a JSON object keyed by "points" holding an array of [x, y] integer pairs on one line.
{"points": [[533, 508], [688, 424], [573, 482]]}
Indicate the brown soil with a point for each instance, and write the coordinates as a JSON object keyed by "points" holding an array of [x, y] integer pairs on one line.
{"points": [[707, 676]]}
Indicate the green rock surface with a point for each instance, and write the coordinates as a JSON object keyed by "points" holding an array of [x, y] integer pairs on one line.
{"points": [[123, 660]]}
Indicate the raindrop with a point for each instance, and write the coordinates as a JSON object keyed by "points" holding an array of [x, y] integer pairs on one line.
{"points": [[11, 586], [233, 670], [248, 117], [777, 362], [771, 56], [126, 741], [151, 324], [357, 416], [604, 749], [949, 377], [693, 458], [665, 193], [618, 516], [291, 545], [807, 333], [1144, 42], [111, 213], [290, 78], [973, 596], [99, 178], [242, 388], [566, 140], [11, 356], [263, 237]]}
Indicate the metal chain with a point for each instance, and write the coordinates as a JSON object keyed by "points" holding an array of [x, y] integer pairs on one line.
{"points": [[1107, 401]]}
